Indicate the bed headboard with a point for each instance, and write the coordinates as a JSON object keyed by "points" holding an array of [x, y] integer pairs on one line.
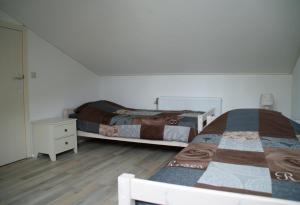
{"points": [[190, 103]]}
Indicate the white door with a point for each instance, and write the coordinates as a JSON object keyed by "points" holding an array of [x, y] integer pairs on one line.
{"points": [[12, 120]]}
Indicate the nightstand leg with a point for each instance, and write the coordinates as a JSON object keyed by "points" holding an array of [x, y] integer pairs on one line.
{"points": [[52, 157], [75, 150]]}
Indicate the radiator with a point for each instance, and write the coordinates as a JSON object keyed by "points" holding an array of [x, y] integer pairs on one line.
{"points": [[190, 103]]}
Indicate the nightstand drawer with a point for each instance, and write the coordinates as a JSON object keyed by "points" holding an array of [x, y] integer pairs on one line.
{"points": [[64, 130], [64, 144]]}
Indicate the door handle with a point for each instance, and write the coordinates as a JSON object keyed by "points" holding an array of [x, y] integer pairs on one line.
{"points": [[20, 77]]}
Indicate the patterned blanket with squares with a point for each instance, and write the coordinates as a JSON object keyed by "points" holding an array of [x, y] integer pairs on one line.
{"points": [[245, 151], [113, 120]]}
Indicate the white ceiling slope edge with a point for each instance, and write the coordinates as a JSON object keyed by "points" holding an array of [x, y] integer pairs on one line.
{"points": [[140, 37]]}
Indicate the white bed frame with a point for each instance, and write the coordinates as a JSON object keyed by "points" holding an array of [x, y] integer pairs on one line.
{"points": [[131, 189], [169, 103]]}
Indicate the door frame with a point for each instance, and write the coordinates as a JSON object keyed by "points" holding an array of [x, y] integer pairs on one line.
{"points": [[27, 130]]}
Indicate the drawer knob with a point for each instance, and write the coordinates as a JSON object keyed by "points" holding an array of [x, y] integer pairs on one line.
{"points": [[66, 130], [66, 143]]}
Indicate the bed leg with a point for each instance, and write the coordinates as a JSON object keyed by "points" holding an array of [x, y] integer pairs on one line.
{"points": [[124, 190]]}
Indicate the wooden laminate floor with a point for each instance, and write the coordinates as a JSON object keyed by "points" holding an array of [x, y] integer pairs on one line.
{"points": [[89, 177]]}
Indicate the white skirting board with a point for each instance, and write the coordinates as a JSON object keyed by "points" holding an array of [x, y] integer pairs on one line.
{"points": [[131, 189]]}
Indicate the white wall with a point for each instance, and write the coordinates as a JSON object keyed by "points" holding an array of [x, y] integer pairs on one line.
{"points": [[296, 92], [61, 82], [237, 91]]}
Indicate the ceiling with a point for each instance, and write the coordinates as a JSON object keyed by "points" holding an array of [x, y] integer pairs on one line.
{"points": [[125, 37]]}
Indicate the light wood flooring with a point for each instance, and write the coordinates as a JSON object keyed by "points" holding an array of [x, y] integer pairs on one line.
{"points": [[89, 177]]}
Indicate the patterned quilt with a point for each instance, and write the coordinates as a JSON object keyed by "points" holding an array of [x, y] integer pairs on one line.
{"points": [[112, 120], [247, 151]]}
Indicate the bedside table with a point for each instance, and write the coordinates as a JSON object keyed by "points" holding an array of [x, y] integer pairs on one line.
{"points": [[53, 136]]}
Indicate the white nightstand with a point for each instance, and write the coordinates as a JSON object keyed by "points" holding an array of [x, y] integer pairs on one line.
{"points": [[53, 136]]}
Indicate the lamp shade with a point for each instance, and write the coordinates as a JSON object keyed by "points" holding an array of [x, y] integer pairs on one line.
{"points": [[267, 99]]}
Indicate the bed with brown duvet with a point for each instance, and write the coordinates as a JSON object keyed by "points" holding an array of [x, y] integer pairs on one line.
{"points": [[112, 120]]}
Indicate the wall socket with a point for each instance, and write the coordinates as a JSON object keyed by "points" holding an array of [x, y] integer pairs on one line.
{"points": [[33, 74]]}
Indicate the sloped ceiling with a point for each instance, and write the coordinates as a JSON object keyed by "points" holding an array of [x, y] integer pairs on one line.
{"points": [[124, 37]]}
